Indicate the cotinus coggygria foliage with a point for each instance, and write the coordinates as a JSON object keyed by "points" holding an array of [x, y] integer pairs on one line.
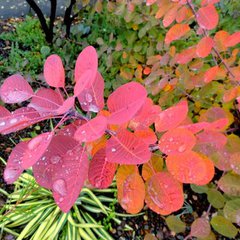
{"points": [[102, 139]]}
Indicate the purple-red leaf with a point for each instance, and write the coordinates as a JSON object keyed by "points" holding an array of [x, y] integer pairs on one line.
{"points": [[126, 148], [86, 61], [125, 102], [14, 164], [69, 179], [145, 116], [92, 130], [52, 159], [66, 106], [15, 89], [46, 101], [18, 120], [101, 172], [92, 98], [54, 72], [35, 149]]}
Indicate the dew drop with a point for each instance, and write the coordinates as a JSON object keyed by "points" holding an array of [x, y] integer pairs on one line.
{"points": [[10, 174], [2, 124], [60, 199], [182, 148], [12, 121], [88, 97], [93, 108], [55, 159], [34, 143], [113, 150], [83, 132], [170, 139], [59, 186]]}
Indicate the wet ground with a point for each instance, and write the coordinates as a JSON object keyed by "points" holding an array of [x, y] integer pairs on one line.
{"points": [[19, 8]]}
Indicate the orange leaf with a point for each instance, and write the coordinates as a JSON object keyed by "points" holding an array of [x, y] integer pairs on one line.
{"points": [[147, 135], [204, 47], [210, 74], [154, 165], [170, 16], [233, 39], [190, 167], [183, 14], [131, 189], [220, 40], [164, 194], [176, 141], [207, 17], [171, 117], [176, 31]]}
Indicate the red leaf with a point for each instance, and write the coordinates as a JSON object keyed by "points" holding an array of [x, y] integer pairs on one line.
{"points": [[145, 116], [195, 127], [15, 89], [190, 167], [212, 137], [18, 120], [124, 103], [171, 117], [147, 135], [207, 17], [70, 129], [176, 141], [92, 130], [46, 101], [185, 56], [35, 149], [126, 148], [131, 189], [206, 2], [204, 47], [150, 2], [92, 99], [54, 72], [170, 16], [52, 159], [220, 40], [69, 179], [101, 172], [200, 228], [211, 74], [233, 39], [14, 164], [176, 31], [87, 61], [164, 194]]}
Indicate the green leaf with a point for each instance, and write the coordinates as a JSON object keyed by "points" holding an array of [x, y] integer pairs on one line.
{"points": [[199, 189], [175, 224], [224, 226], [45, 50], [230, 184], [215, 198], [231, 210]]}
